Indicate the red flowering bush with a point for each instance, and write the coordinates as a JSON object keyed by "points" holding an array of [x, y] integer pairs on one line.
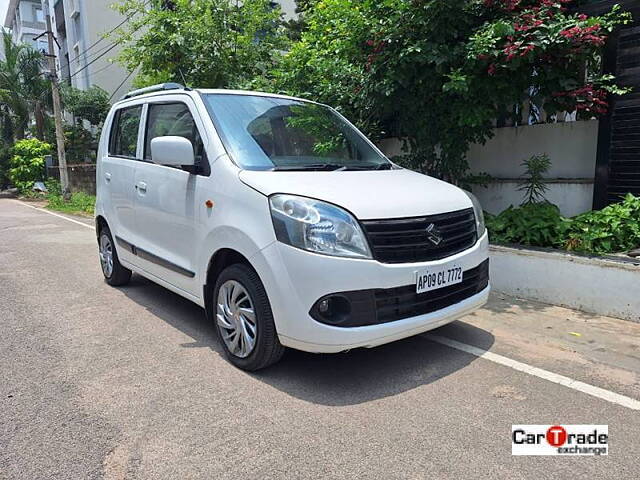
{"points": [[586, 99], [536, 44], [438, 73]]}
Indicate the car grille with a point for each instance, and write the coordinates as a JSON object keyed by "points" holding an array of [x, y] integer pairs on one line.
{"points": [[406, 240], [403, 302], [382, 305]]}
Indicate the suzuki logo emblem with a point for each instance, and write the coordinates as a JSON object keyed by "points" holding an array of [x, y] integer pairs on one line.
{"points": [[433, 234]]}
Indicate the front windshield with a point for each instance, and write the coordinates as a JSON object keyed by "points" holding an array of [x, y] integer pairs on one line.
{"points": [[262, 133]]}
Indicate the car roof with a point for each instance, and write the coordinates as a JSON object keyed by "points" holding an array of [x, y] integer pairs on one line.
{"points": [[249, 93], [219, 91]]}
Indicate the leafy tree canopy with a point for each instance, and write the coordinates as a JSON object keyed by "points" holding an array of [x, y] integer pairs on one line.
{"points": [[437, 73], [91, 105], [23, 89], [205, 43]]}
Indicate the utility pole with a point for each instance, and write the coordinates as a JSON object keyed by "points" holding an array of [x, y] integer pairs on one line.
{"points": [[57, 109]]}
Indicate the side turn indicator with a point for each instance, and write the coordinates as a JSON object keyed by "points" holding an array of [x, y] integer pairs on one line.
{"points": [[209, 204]]}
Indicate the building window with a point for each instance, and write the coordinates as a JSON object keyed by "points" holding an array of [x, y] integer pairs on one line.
{"points": [[76, 54], [39, 16], [77, 29]]}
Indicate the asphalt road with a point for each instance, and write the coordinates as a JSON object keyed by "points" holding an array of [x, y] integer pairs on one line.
{"points": [[99, 382]]}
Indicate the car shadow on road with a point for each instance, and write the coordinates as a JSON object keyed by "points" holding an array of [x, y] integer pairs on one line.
{"points": [[502, 303], [340, 379]]}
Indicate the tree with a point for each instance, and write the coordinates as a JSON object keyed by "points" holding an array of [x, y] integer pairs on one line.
{"points": [[91, 105], [23, 90], [438, 73], [204, 43], [327, 64]]}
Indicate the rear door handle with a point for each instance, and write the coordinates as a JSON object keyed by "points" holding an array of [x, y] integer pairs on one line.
{"points": [[107, 177], [141, 187]]}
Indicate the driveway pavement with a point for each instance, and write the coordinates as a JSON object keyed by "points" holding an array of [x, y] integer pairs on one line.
{"points": [[114, 383]]}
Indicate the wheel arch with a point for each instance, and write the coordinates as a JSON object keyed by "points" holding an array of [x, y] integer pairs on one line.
{"points": [[221, 259], [101, 223]]}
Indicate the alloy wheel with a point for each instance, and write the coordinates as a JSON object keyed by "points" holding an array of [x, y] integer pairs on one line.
{"points": [[236, 318], [106, 255]]}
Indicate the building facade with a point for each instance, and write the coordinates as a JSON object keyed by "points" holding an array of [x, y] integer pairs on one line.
{"points": [[85, 57], [25, 19]]}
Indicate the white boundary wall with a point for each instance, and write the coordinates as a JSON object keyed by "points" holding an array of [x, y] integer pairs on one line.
{"points": [[597, 285], [571, 146]]}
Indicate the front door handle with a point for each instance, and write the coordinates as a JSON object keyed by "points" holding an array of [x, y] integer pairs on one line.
{"points": [[141, 187], [107, 177]]}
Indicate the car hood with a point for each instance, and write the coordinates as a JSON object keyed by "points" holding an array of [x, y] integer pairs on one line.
{"points": [[367, 194]]}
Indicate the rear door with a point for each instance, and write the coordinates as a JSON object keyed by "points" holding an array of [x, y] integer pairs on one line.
{"points": [[118, 175], [166, 204]]}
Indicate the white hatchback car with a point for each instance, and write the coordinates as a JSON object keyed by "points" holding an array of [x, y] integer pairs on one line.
{"points": [[283, 221]]}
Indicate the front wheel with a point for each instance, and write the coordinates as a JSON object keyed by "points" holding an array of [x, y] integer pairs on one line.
{"points": [[114, 273], [244, 320]]}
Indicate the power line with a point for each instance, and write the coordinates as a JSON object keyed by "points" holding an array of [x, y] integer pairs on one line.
{"points": [[105, 35], [110, 64], [121, 84], [69, 62], [93, 61]]}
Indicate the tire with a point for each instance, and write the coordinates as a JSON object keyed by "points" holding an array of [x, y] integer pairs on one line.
{"points": [[114, 273], [234, 321]]}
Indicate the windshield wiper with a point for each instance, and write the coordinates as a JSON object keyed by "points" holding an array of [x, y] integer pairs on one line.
{"points": [[311, 166], [382, 166], [332, 167]]}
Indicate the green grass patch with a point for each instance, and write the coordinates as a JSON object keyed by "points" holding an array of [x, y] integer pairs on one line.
{"points": [[79, 203]]}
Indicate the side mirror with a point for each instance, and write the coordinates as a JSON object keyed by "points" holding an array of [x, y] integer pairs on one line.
{"points": [[172, 150]]}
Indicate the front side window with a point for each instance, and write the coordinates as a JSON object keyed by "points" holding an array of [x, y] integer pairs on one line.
{"points": [[270, 133], [174, 119], [124, 132]]}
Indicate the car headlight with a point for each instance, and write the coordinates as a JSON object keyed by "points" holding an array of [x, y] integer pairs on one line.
{"points": [[478, 213], [317, 226]]}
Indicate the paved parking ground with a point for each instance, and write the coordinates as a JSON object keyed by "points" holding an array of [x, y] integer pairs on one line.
{"points": [[98, 382]]}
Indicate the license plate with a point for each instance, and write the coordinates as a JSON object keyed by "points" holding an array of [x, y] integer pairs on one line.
{"points": [[432, 278]]}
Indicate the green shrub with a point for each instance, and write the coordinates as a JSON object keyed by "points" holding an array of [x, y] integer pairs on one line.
{"points": [[533, 185], [27, 163], [79, 202], [5, 159], [53, 186], [534, 224], [615, 228]]}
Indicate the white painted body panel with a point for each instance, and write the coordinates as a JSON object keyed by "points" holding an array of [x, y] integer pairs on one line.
{"points": [[171, 221], [366, 194], [295, 279]]}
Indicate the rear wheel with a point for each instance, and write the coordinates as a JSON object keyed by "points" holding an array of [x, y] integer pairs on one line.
{"points": [[244, 320], [114, 273]]}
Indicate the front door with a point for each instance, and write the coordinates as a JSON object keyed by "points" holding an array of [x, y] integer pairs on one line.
{"points": [[166, 210]]}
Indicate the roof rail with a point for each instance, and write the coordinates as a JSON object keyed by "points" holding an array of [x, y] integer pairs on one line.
{"points": [[155, 88]]}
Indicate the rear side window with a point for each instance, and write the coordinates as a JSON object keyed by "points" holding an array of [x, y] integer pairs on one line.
{"points": [[174, 119], [124, 132]]}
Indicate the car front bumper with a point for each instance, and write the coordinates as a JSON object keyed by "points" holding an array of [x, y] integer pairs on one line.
{"points": [[295, 279]]}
